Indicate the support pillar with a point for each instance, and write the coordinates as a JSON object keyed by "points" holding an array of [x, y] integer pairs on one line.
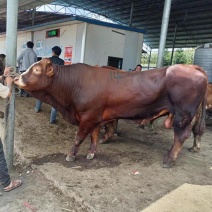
{"points": [[11, 55], [163, 34]]}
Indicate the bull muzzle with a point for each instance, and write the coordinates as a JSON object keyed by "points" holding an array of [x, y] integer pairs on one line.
{"points": [[19, 82]]}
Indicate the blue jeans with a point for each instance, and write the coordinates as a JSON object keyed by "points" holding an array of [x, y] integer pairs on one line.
{"points": [[53, 114], [4, 174]]}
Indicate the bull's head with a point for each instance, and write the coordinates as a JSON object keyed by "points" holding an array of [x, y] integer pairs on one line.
{"points": [[37, 77]]}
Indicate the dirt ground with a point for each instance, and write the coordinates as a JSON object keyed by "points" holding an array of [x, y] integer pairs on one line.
{"points": [[125, 175]]}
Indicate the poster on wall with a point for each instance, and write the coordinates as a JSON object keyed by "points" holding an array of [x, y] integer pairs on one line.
{"points": [[39, 48], [24, 45], [68, 55]]}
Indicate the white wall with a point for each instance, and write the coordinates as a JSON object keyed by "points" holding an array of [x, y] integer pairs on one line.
{"points": [[22, 38], [132, 49], [102, 42], [67, 38]]}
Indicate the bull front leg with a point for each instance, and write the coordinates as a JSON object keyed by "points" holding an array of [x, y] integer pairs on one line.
{"points": [[71, 156], [83, 131]]}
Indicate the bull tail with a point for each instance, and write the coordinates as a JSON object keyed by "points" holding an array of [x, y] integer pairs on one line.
{"points": [[203, 105], [202, 117]]}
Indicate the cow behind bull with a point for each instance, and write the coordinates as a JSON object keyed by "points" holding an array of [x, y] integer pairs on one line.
{"points": [[88, 96]]}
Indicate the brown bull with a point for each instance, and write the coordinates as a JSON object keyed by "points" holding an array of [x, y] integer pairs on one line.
{"points": [[111, 127], [87, 96]]}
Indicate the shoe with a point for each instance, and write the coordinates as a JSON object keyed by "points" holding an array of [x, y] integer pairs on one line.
{"points": [[53, 121], [37, 110], [14, 184]]}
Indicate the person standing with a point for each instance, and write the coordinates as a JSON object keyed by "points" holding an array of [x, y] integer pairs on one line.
{"points": [[5, 179], [56, 51], [2, 63], [26, 59], [138, 68], [2, 67]]}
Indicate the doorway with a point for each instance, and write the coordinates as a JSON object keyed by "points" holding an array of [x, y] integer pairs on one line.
{"points": [[115, 62]]}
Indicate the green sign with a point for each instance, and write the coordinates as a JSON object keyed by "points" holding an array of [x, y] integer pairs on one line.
{"points": [[53, 33]]}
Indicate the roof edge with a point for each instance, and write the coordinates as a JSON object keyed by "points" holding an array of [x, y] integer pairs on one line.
{"points": [[87, 20]]}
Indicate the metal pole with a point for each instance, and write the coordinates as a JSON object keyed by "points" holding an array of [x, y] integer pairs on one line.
{"points": [[131, 13], [83, 43], [11, 54], [173, 46], [33, 23], [150, 54], [33, 16], [163, 34]]}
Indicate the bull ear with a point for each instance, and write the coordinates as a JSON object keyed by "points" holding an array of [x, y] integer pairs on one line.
{"points": [[49, 69]]}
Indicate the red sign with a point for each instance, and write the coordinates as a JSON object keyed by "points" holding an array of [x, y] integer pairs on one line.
{"points": [[68, 55]]}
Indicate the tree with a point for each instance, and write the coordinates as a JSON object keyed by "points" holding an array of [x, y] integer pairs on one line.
{"points": [[166, 58], [189, 54], [180, 57]]}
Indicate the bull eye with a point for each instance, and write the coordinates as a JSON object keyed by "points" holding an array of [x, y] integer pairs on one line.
{"points": [[37, 71]]}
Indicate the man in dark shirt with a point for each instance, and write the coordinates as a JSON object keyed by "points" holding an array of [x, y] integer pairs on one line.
{"points": [[56, 51]]}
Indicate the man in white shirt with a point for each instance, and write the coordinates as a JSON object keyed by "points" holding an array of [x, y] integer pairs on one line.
{"points": [[26, 59]]}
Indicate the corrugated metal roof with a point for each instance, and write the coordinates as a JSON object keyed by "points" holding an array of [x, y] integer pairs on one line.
{"points": [[193, 17], [77, 19]]}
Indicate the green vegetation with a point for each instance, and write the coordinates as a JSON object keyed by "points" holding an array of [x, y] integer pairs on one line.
{"points": [[181, 56]]}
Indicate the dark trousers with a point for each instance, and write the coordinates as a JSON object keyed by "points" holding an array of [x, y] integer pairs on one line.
{"points": [[4, 174]]}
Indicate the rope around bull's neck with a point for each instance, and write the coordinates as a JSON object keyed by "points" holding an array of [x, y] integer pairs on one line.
{"points": [[13, 74]]}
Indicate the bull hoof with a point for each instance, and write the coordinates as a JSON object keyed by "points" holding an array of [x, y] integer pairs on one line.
{"points": [[167, 165], [194, 149], [90, 156], [142, 126], [72, 158], [167, 162], [102, 141]]}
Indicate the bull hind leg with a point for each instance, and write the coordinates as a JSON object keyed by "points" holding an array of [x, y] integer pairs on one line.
{"points": [[182, 131], [105, 136], [196, 144], [198, 128], [197, 139], [115, 128], [111, 131]]}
